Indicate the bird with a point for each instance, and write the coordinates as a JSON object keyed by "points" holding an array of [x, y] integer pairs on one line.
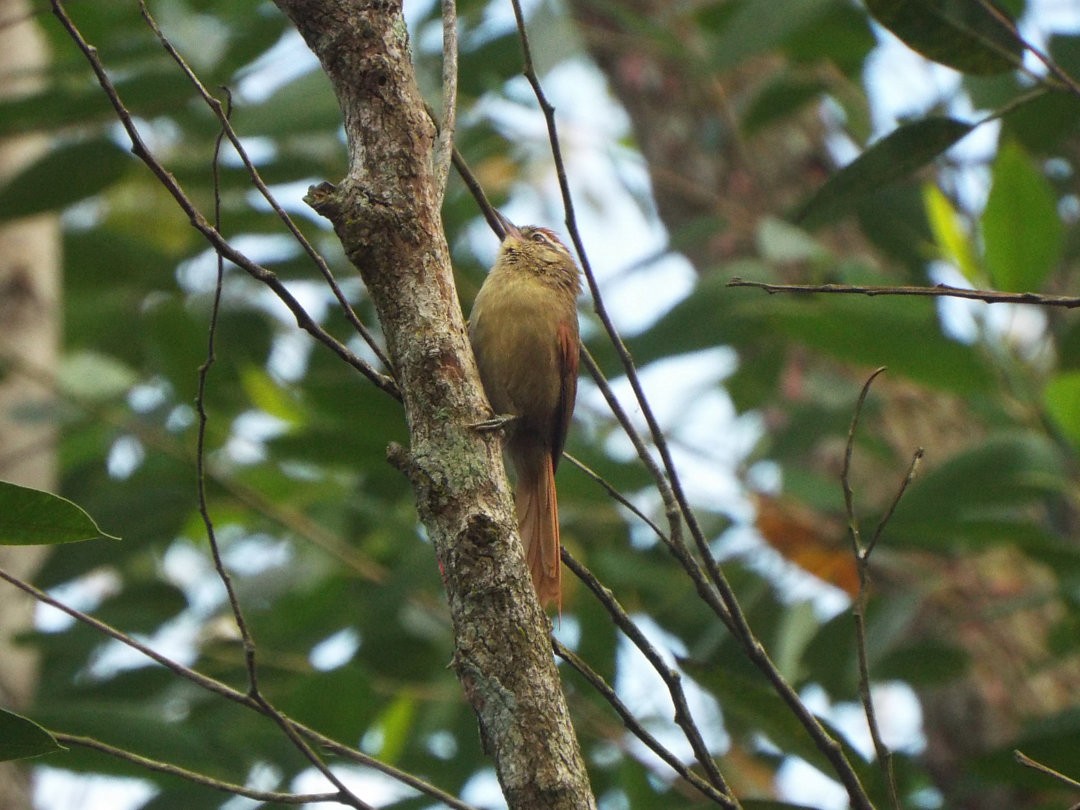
{"points": [[524, 333]]}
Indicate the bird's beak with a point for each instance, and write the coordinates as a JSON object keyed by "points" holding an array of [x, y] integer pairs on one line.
{"points": [[506, 227]]}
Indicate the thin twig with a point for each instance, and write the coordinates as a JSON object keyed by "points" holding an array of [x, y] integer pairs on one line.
{"points": [[849, 500], [937, 291], [247, 640], [638, 730], [916, 459], [200, 437], [671, 489], [478, 194], [862, 564], [222, 690], [444, 144], [192, 776], [675, 542], [1056, 70], [618, 496], [1028, 762], [198, 221], [216, 107], [672, 679]]}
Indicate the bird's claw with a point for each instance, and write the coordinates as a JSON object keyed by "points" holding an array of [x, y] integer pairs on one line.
{"points": [[495, 423]]}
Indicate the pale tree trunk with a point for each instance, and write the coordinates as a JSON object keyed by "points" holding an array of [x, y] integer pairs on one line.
{"points": [[29, 345], [686, 122]]}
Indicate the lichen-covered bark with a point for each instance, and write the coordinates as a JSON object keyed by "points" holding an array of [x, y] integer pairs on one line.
{"points": [[386, 213]]}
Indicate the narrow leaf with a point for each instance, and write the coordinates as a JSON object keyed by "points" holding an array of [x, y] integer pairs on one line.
{"points": [[64, 176], [21, 738], [32, 517], [892, 158], [949, 233], [961, 34]]}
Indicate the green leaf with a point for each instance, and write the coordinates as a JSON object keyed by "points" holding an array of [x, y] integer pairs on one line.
{"points": [[924, 663], [89, 376], [32, 517], [63, 176], [980, 496], [270, 396], [396, 725], [959, 33], [898, 333], [841, 36], [21, 738], [1062, 400], [892, 158], [780, 99], [952, 240], [1022, 231], [761, 25]]}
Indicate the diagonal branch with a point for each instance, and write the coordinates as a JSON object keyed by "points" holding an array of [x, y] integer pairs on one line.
{"points": [[199, 779], [671, 678], [605, 690]]}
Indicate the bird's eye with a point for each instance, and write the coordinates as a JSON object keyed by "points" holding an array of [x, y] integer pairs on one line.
{"points": [[539, 237]]}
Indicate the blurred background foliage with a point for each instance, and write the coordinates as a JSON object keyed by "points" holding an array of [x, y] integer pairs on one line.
{"points": [[720, 120]]}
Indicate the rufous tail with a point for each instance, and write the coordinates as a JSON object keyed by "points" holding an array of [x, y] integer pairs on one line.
{"points": [[538, 524]]}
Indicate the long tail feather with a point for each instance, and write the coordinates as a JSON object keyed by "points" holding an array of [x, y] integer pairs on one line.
{"points": [[538, 523]]}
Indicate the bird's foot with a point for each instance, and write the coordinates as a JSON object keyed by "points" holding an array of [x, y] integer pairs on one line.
{"points": [[495, 423]]}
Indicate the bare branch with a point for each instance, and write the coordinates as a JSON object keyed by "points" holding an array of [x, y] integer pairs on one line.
{"points": [[853, 523], [858, 611], [1028, 762], [618, 496], [671, 678], [216, 107], [675, 542], [346, 796], [638, 730], [198, 778], [916, 459], [937, 291], [444, 143], [478, 194]]}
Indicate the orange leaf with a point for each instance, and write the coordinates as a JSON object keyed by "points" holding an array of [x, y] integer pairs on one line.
{"points": [[809, 539]]}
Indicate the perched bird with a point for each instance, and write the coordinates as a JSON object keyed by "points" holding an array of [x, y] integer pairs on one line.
{"points": [[524, 333]]}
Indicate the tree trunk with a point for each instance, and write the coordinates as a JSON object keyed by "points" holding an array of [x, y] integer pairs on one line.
{"points": [[387, 214], [29, 345]]}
